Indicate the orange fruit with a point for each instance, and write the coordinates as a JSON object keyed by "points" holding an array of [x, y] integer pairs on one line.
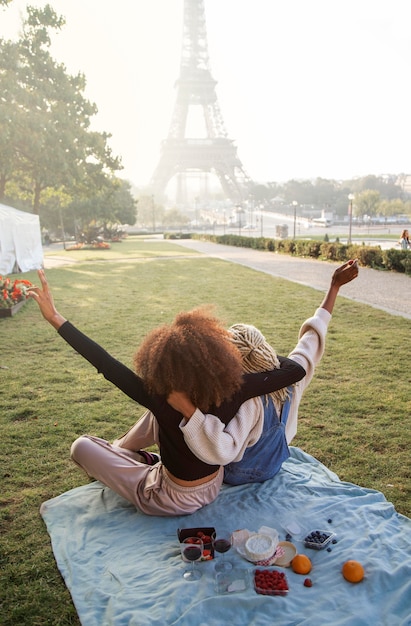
{"points": [[353, 571], [301, 564]]}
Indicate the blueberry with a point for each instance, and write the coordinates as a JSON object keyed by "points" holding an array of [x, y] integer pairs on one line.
{"points": [[334, 541], [288, 537], [329, 549], [329, 520]]}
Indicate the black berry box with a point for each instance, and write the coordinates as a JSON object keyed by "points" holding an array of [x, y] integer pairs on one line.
{"points": [[207, 534]]}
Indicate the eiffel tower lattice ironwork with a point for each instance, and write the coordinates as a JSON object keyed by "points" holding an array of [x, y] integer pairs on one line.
{"points": [[215, 152]]}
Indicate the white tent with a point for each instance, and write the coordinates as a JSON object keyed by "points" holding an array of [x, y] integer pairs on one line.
{"points": [[20, 241]]}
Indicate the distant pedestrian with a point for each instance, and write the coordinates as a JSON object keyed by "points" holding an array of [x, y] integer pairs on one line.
{"points": [[404, 241]]}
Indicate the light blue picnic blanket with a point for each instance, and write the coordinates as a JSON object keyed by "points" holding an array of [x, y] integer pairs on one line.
{"points": [[124, 568]]}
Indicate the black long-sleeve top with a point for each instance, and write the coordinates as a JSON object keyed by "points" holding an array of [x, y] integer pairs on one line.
{"points": [[175, 454]]}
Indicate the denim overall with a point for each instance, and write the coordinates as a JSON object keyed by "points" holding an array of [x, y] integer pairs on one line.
{"points": [[264, 459]]}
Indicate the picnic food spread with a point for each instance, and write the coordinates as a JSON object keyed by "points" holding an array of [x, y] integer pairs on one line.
{"points": [[265, 550]]}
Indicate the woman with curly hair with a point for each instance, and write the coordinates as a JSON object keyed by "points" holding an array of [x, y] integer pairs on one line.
{"points": [[178, 356], [193, 355]]}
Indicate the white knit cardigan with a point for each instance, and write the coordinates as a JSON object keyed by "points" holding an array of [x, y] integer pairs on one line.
{"points": [[218, 444]]}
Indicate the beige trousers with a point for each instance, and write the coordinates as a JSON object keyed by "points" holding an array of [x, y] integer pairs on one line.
{"points": [[148, 487]]}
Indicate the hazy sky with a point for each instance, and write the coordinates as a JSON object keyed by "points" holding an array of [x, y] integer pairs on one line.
{"points": [[306, 88]]}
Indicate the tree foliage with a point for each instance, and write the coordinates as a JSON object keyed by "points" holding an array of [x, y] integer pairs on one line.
{"points": [[174, 218], [150, 214], [45, 138], [366, 202], [386, 194]]}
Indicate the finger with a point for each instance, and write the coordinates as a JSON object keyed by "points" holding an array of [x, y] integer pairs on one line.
{"points": [[32, 293], [42, 277]]}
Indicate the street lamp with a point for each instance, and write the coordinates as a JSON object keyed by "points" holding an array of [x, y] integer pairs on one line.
{"points": [[239, 212], [295, 205], [196, 199], [350, 198], [153, 213]]}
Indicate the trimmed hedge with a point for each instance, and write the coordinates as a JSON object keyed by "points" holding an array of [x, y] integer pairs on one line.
{"points": [[368, 256]]}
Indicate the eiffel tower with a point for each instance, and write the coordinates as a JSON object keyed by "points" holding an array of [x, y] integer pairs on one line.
{"points": [[184, 157]]}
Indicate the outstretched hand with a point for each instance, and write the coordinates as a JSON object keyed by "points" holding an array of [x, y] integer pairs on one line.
{"points": [[345, 273], [45, 301], [342, 275]]}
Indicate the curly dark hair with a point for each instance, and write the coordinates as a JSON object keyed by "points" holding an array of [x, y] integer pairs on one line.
{"points": [[193, 354]]}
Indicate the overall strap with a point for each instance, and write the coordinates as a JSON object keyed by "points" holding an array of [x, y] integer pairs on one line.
{"points": [[285, 409]]}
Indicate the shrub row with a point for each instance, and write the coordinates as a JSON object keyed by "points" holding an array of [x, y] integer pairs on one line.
{"points": [[368, 256]]}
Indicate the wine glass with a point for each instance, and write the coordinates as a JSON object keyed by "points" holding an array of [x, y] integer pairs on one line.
{"points": [[222, 544], [192, 550]]}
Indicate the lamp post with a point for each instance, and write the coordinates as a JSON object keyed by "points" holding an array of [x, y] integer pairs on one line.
{"points": [[153, 213], [350, 198], [295, 205], [239, 211], [196, 199]]}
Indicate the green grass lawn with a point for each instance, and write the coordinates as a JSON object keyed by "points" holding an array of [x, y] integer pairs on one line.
{"points": [[133, 247], [355, 416]]}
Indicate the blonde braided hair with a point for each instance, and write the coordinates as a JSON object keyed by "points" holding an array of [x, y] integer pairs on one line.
{"points": [[257, 354]]}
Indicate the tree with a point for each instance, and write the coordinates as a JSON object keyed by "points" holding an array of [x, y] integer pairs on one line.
{"points": [[150, 214], [367, 202], [110, 207], [391, 207], [9, 113], [47, 118], [173, 218], [299, 191], [261, 193]]}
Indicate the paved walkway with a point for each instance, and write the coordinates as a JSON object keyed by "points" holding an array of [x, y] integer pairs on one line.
{"points": [[388, 291]]}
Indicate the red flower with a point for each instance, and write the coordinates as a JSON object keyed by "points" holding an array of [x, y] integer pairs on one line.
{"points": [[13, 292]]}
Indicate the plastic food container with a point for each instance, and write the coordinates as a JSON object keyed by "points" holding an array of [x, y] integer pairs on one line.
{"points": [[202, 533], [270, 582], [318, 539], [234, 581]]}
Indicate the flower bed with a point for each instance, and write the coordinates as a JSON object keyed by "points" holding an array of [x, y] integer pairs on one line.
{"points": [[97, 245], [13, 294]]}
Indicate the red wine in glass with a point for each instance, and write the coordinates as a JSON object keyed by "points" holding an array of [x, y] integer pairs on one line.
{"points": [[222, 544], [192, 550], [192, 553]]}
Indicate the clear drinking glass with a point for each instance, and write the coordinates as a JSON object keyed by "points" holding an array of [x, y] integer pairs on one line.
{"points": [[192, 550], [222, 543]]}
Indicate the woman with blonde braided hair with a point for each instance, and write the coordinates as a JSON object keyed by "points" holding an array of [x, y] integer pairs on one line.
{"points": [[256, 353], [254, 444]]}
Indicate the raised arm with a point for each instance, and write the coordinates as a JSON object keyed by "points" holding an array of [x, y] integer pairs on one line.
{"points": [[311, 338], [113, 370]]}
